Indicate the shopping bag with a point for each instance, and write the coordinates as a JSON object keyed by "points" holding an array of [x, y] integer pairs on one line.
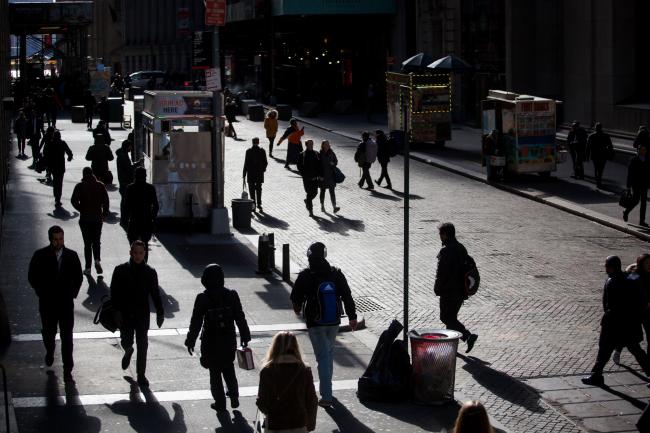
{"points": [[245, 358], [107, 315], [627, 199], [244, 194], [260, 422], [339, 177]]}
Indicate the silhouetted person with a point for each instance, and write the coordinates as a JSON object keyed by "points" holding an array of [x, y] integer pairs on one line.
{"points": [[638, 179], [599, 149], [215, 313], [102, 130], [293, 135], [577, 142], [141, 209], [230, 111], [133, 283], [364, 156], [55, 275], [255, 164], [125, 175], [310, 169], [99, 154], [89, 109], [642, 137], [55, 153], [383, 157], [35, 130], [20, 129], [104, 111], [328, 162]]}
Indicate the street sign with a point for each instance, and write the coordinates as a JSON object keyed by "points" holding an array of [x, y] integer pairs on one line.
{"points": [[215, 12], [213, 79], [201, 50]]}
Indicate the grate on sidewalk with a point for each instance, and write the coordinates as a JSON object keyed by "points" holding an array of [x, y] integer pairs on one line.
{"points": [[366, 304]]}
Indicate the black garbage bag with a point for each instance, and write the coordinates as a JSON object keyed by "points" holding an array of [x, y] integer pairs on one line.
{"points": [[388, 375]]}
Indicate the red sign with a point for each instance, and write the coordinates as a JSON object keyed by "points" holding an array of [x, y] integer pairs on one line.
{"points": [[215, 12]]}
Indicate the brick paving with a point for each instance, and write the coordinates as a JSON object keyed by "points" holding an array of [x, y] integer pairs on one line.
{"points": [[538, 309]]}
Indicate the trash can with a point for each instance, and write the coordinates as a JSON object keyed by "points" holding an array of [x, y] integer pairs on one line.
{"points": [[284, 112], [242, 209], [256, 113], [433, 355]]}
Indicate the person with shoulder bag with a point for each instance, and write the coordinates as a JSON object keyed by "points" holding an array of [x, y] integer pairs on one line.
{"points": [[216, 311], [286, 393]]}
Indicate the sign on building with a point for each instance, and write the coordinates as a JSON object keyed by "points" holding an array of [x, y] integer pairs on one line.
{"points": [[215, 12], [201, 50]]}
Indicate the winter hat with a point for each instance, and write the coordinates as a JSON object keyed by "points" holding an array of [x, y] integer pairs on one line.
{"points": [[317, 250], [212, 276]]}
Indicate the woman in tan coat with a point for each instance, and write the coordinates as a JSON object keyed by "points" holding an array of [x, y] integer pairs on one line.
{"points": [[271, 128], [286, 393]]}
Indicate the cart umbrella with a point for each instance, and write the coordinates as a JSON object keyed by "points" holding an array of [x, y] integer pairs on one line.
{"points": [[449, 64], [417, 63]]}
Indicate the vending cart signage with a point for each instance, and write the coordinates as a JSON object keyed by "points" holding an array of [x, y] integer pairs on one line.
{"points": [[535, 132], [177, 105]]}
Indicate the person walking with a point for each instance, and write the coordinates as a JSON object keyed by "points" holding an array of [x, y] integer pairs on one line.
{"points": [[55, 275], [286, 392], [320, 289], [310, 169], [141, 209], [255, 164], [104, 111], [46, 141], [35, 131], [328, 163], [383, 157], [20, 129], [623, 305], [577, 142], [99, 154], [102, 131], [216, 311], [90, 198], [364, 156], [473, 418], [450, 282], [271, 128], [55, 154], [638, 179], [230, 111], [293, 135], [132, 284], [125, 175], [599, 149], [89, 109]]}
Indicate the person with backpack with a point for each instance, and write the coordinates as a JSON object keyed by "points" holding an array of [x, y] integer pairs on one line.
{"points": [[310, 169], [318, 292], [383, 157], [216, 311], [450, 282], [365, 155], [255, 164], [99, 154]]}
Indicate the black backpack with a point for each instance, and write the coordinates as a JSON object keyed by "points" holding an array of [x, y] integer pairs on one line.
{"points": [[360, 154], [471, 277], [220, 318]]}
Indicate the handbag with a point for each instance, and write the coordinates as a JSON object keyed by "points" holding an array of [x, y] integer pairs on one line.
{"points": [[259, 426], [627, 199], [339, 177], [245, 358], [107, 315]]}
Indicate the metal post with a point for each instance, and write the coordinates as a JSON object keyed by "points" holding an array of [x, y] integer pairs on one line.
{"points": [[286, 272], [220, 224], [405, 91]]}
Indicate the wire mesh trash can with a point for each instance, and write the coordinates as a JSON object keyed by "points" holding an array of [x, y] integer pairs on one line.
{"points": [[242, 209], [433, 355]]}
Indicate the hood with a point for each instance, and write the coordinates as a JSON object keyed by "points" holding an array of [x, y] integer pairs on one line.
{"points": [[212, 278], [318, 264]]}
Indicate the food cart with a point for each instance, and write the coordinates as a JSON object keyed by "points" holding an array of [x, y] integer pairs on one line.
{"points": [[527, 127], [178, 151], [427, 99]]}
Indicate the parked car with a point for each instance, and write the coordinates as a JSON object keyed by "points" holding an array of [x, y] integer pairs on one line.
{"points": [[142, 78]]}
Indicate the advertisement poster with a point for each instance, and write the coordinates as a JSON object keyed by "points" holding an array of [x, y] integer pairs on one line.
{"points": [[177, 105], [536, 132], [213, 79]]}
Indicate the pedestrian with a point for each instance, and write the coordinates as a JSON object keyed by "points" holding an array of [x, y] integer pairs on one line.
{"points": [[293, 135], [133, 283], [623, 305], [328, 163], [638, 179], [104, 111], [125, 174], [450, 282], [271, 128], [254, 167], [577, 142], [286, 392], [55, 154], [51, 106], [55, 275], [310, 169], [101, 130], [599, 149], [20, 129], [89, 109], [216, 311], [383, 157], [230, 111], [141, 209], [320, 289], [43, 149], [364, 156], [473, 418], [35, 130], [90, 198], [642, 137], [99, 154]]}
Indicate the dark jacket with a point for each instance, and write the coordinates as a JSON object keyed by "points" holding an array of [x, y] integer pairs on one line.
{"points": [[305, 290], [20, 127], [638, 173], [286, 395], [51, 283], [104, 132], [309, 166], [383, 149], [642, 139], [90, 199], [141, 205], [255, 164], [125, 167], [623, 304], [90, 102], [99, 155], [230, 111], [55, 152], [104, 110], [577, 140], [131, 286], [449, 275], [34, 128], [328, 162], [599, 147]]}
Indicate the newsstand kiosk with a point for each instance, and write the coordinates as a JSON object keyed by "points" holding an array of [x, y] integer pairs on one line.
{"points": [[178, 152]]}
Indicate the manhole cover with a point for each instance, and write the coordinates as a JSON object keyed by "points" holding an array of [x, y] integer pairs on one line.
{"points": [[366, 303]]}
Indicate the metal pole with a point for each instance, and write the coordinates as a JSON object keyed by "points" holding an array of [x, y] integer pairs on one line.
{"points": [[405, 91], [220, 223]]}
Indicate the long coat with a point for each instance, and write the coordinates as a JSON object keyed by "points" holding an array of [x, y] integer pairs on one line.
{"points": [[328, 163], [255, 164], [623, 304], [599, 147], [638, 173], [55, 152], [131, 287], [53, 284], [449, 276]]}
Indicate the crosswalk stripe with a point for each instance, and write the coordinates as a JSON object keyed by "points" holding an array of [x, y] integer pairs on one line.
{"points": [[161, 396]]}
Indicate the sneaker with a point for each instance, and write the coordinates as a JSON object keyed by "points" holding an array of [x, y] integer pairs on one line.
{"points": [[336, 209], [49, 358], [87, 271], [325, 403], [143, 381], [594, 380], [470, 342], [98, 267], [126, 359], [234, 402], [617, 357]]}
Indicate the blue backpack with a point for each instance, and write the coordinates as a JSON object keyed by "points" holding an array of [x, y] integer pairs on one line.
{"points": [[329, 312]]}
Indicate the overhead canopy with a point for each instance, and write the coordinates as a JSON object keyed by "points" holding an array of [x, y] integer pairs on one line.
{"points": [[417, 63], [449, 64], [49, 18]]}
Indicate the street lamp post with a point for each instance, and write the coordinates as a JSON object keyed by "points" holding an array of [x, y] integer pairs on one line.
{"points": [[405, 94]]}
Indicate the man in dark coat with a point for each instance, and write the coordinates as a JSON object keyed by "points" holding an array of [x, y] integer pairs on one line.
{"points": [[365, 156], [450, 282], [99, 154], [599, 149], [89, 109], [638, 179], [312, 286], [55, 153], [35, 130], [216, 311], [133, 283], [623, 303], [102, 130], [141, 209], [55, 275], [310, 169], [254, 167], [90, 198], [383, 157], [20, 129], [577, 142], [125, 175]]}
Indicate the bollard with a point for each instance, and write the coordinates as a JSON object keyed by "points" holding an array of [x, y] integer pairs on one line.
{"points": [[271, 251], [286, 272], [263, 254]]}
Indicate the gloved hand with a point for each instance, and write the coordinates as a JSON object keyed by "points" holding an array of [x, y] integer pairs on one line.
{"points": [[160, 318]]}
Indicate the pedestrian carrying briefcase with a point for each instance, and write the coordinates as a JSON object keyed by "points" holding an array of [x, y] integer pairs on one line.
{"points": [[245, 358], [107, 315]]}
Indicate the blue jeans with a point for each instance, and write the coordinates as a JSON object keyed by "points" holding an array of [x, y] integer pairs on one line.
{"points": [[322, 340]]}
